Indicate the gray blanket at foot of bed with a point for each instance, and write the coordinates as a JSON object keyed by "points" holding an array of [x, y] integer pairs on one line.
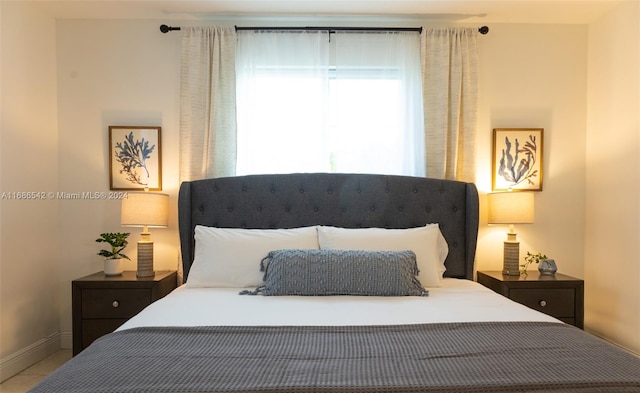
{"points": [[460, 357]]}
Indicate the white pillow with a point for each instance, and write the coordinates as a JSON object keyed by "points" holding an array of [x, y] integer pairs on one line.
{"points": [[426, 242], [230, 257]]}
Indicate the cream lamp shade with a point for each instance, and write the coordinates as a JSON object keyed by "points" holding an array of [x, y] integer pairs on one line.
{"points": [[145, 209], [511, 207], [148, 209]]}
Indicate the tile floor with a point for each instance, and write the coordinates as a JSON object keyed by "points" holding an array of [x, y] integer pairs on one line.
{"points": [[24, 381]]}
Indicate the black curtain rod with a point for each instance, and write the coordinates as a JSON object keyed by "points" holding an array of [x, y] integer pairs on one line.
{"points": [[482, 30], [334, 29]]}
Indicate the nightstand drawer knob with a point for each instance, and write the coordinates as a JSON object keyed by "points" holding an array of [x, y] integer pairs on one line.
{"points": [[115, 304], [542, 303]]}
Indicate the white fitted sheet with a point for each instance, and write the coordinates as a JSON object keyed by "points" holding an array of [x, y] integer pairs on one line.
{"points": [[456, 300]]}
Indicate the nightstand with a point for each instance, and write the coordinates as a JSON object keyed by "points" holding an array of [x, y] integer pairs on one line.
{"points": [[558, 295], [100, 304]]}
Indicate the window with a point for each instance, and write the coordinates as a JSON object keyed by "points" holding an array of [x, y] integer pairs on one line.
{"points": [[307, 103]]}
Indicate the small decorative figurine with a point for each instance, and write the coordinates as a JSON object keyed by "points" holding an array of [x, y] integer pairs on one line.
{"points": [[545, 265]]}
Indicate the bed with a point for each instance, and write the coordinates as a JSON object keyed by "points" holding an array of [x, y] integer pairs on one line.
{"points": [[338, 283]]}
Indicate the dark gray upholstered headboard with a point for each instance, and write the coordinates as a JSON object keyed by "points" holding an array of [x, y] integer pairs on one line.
{"points": [[342, 200]]}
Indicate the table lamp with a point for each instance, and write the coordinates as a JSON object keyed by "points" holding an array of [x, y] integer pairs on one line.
{"points": [[511, 207], [145, 209]]}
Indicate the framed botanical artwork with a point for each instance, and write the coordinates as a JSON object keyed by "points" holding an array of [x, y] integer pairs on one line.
{"points": [[517, 159], [135, 162]]}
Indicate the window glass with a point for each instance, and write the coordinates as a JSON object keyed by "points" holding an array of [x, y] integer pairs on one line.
{"points": [[299, 112]]}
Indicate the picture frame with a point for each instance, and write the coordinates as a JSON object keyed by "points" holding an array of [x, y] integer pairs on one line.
{"points": [[135, 158], [517, 159]]}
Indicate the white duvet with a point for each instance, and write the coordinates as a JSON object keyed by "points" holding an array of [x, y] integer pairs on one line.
{"points": [[455, 301]]}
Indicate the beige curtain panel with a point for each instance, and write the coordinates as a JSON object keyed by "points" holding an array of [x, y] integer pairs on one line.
{"points": [[450, 91], [208, 103]]}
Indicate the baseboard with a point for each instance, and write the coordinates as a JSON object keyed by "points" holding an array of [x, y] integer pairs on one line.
{"points": [[27, 357]]}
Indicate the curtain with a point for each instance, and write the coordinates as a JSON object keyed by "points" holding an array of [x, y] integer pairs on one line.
{"points": [[207, 103], [211, 147], [450, 83], [378, 103], [282, 88]]}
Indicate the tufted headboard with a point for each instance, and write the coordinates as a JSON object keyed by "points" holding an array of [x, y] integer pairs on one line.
{"points": [[342, 200]]}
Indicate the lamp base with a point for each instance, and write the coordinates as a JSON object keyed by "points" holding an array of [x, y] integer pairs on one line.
{"points": [[145, 259], [511, 257]]}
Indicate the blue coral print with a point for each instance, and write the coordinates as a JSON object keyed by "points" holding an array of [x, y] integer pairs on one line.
{"points": [[133, 155], [517, 164]]}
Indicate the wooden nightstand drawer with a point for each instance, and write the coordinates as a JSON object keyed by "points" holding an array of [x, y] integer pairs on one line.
{"points": [[114, 303], [92, 329], [555, 302], [558, 295], [102, 303]]}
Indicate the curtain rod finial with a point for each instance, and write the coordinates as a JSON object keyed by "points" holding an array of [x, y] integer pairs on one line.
{"points": [[166, 29], [483, 30]]}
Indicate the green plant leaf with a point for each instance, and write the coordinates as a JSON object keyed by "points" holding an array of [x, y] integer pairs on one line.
{"points": [[117, 241]]}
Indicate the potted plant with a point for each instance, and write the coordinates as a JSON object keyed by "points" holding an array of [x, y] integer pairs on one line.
{"points": [[545, 265], [113, 257]]}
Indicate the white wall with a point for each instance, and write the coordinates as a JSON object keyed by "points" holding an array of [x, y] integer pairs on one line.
{"points": [[112, 73], [29, 252], [535, 76], [612, 234]]}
